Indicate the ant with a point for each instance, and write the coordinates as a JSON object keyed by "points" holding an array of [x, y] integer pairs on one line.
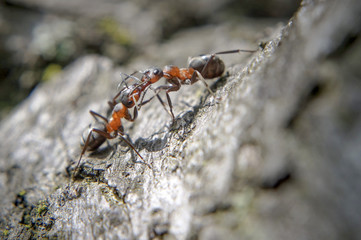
{"points": [[108, 128], [111, 128], [199, 68]]}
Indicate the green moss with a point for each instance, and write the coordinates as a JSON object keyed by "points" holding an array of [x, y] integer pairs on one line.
{"points": [[5, 233], [37, 220], [42, 208]]}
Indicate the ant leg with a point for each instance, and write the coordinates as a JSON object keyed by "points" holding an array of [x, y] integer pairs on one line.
{"points": [[86, 144], [174, 86], [196, 75], [129, 117], [129, 144], [170, 106], [135, 102], [142, 102], [108, 136], [128, 76], [146, 101], [95, 115], [114, 102], [135, 115], [123, 80], [170, 112], [200, 77], [156, 91]]}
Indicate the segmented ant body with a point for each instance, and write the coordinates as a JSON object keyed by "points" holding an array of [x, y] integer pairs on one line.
{"points": [[124, 100], [199, 68], [107, 129]]}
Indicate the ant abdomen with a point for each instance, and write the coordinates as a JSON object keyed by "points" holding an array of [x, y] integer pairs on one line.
{"points": [[210, 66], [95, 139]]}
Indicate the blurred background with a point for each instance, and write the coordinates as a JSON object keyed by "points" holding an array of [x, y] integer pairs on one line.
{"points": [[39, 38]]}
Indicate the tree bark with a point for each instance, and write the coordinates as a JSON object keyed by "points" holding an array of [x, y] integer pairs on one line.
{"points": [[276, 155]]}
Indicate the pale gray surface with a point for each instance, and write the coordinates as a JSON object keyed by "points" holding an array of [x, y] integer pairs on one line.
{"points": [[276, 156]]}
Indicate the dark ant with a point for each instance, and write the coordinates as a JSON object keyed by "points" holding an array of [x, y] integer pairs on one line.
{"points": [[199, 68]]}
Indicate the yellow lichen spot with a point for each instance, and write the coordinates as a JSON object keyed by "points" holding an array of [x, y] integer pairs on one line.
{"points": [[42, 208], [22, 193], [50, 71]]}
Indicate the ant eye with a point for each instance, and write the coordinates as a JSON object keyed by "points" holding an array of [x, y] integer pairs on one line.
{"points": [[157, 72]]}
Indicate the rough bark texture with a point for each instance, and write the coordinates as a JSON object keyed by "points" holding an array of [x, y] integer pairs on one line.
{"points": [[275, 156]]}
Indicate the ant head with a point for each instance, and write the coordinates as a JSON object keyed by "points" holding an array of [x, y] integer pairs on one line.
{"points": [[125, 97], [153, 74]]}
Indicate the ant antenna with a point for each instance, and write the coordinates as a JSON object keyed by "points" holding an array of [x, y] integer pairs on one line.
{"points": [[235, 51], [127, 77]]}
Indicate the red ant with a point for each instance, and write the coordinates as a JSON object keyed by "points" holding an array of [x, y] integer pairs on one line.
{"points": [[199, 68], [109, 128]]}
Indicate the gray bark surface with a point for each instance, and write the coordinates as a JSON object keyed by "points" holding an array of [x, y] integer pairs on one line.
{"points": [[276, 155]]}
